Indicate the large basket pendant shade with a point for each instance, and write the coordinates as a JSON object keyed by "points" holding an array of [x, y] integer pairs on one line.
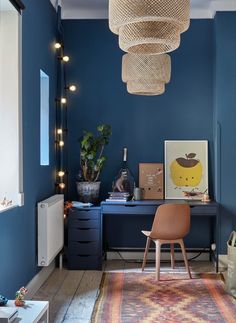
{"points": [[146, 87], [146, 74], [155, 23], [154, 37]]}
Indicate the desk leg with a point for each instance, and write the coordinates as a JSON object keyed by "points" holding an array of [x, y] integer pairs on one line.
{"points": [[217, 230], [212, 239]]}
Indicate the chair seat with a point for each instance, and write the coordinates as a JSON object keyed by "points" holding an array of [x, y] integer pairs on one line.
{"points": [[146, 233], [170, 225]]}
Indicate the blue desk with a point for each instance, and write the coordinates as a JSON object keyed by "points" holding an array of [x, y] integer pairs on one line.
{"points": [[148, 208]]}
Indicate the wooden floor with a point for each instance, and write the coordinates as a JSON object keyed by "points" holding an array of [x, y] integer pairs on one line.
{"points": [[73, 293]]}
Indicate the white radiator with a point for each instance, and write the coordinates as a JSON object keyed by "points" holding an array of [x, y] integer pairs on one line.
{"points": [[50, 228]]}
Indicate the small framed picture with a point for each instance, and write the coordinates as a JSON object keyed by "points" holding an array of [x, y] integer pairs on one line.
{"points": [[151, 180], [186, 169]]}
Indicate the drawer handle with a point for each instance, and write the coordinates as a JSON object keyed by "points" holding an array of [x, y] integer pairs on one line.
{"points": [[83, 229], [84, 219], [128, 205], [83, 256], [84, 242]]}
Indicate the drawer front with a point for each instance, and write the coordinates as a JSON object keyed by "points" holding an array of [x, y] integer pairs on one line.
{"points": [[204, 210], [77, 248], [77, 234], [85, 262], [129, 209], [84, 223], [84, 214]]}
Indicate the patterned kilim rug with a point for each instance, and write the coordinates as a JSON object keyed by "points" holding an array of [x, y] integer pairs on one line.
{"points": [[137, 297]]}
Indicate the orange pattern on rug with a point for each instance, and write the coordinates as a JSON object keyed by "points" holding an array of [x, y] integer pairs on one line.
{"points": [[138, 298]]}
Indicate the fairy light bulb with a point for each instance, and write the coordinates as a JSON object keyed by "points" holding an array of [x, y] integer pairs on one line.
{"points": [[65, 58], [57, 45], [62, 185], [63, 100], [61, 143], [59, 131], [61, 173], [72, 88]]}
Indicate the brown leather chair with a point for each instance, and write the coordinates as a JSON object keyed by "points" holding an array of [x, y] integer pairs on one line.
{"points": [[171, 224]]}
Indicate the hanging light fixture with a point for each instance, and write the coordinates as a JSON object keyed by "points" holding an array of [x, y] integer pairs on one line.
{"points": [[154, 37], [149, 26], [146, 74]]}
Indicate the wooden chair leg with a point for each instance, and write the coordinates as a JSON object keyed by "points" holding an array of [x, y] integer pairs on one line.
{"points": [[146, 252], [172, 255], [185, 257], [158, 259]]}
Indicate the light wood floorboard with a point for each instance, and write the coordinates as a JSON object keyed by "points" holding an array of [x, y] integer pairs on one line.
{"points": [[83, 302], [50, 288], [64, 296]]}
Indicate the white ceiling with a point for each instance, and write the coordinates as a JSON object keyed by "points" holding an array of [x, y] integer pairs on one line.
{"points": [[98, 9]]}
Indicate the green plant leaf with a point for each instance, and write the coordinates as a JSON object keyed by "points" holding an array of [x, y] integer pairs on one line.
{"points": [[91, 151]]}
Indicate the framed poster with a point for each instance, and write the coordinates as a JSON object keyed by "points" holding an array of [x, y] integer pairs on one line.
{"points": [[186, 169], [151, 180]]}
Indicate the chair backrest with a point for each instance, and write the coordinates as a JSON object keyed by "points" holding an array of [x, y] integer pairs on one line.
{"points": [[172, 221]]}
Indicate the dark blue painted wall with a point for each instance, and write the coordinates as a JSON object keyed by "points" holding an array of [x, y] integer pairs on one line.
{"points": [[18, 226], [224, 121], [142, 124]]}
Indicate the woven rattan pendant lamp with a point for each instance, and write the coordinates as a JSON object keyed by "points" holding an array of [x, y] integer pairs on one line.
{"points": [[146, 74], [149, 26]]}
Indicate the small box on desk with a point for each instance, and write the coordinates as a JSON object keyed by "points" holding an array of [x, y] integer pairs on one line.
{"points": [[151, 180], [8, 314]]}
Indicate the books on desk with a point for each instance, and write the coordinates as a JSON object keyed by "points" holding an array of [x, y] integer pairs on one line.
{"points": [[118, 197]]}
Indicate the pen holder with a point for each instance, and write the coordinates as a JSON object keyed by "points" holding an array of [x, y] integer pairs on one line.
{"points": [[138, 193]]}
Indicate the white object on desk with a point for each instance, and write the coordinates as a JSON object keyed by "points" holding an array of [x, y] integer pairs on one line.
{"points": [[80, 204], [31, 312]]}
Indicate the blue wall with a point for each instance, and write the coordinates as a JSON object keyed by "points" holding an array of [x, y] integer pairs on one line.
{"points": [[225, 120], [141, 123], [18, 226]]}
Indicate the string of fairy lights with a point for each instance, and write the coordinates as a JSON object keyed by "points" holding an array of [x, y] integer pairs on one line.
{"points": [[61, 119]]}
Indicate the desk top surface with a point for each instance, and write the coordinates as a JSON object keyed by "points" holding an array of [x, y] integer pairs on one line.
{"points": [[159, 202]]}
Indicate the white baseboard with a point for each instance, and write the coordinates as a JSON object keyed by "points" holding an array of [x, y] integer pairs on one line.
{"points": [[138, 256], [39, 279]]}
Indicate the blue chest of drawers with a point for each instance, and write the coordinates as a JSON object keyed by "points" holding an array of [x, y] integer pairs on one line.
{"points": [[85, 238]]}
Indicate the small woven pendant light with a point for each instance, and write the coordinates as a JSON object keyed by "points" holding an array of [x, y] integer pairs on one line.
{"points": [[146, 74], [149, 26]]}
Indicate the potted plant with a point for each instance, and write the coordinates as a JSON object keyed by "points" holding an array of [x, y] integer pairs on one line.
{"points": [[92, 161]]}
